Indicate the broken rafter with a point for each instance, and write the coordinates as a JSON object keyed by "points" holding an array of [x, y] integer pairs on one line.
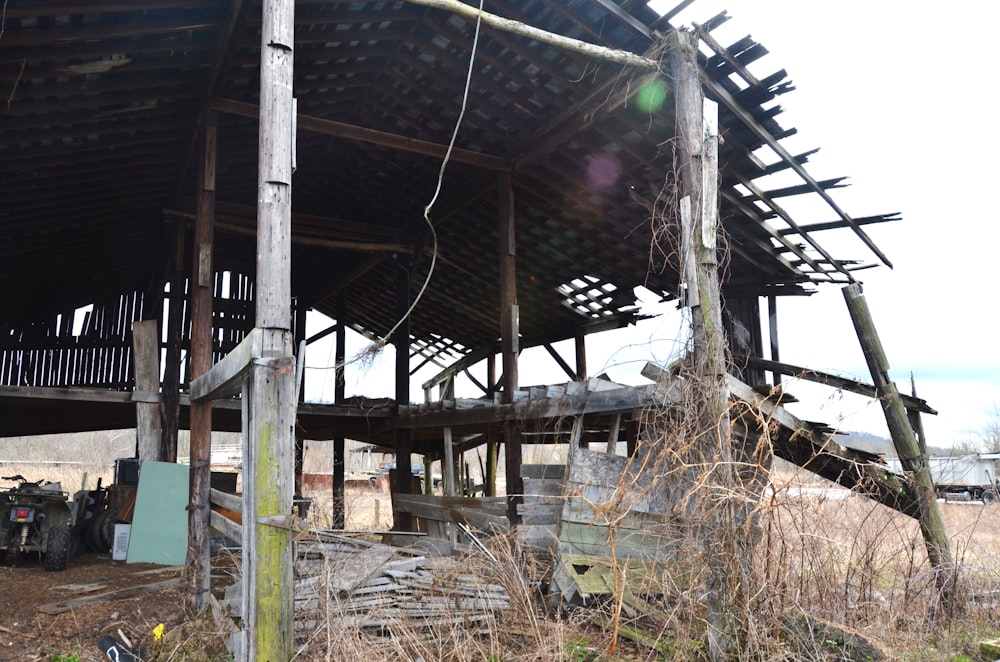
{"points": [[842, 383], [727, 99]]}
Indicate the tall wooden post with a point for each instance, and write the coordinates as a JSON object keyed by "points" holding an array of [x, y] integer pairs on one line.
{"points": [[697, 159], [202, 291], [299, 336], [772, 326], [581, 356], [339, 393], [490, 479], [509, 344], [404, 473], [270, 390], [170, 402], [913, 459]]}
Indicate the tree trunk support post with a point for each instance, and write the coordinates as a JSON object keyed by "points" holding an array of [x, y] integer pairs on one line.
{"points": [[913, 459], [509, 329], [697, 159], [270, 389], [202, 291]]}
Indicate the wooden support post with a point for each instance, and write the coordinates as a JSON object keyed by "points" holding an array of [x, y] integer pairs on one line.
{"points": [[170, 403], [581, 356], [299, 336], [270, 390], [914, 461], [772, 325], [146, 349], [202, 291], [613, 429], [509, 327], [490, 479], [339, 393], [404, 444], [697, 163], [448, 469]]}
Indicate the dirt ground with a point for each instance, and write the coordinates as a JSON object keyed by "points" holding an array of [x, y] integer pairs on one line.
{"points": [[27, 633]]}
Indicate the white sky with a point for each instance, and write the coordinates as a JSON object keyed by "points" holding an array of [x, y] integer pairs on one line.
{"points": [[896, 96]]}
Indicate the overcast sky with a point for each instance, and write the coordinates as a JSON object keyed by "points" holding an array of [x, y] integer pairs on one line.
{"points": [[896, 98]]}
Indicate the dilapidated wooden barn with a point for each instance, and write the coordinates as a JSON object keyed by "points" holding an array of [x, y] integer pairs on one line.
{"points": [[130, 192]]}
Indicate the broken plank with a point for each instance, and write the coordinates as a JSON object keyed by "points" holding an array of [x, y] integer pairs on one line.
{"points": [[69, 605]]}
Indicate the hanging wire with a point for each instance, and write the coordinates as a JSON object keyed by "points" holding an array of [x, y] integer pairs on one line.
{"points": [[367, 355], [437, 191]]}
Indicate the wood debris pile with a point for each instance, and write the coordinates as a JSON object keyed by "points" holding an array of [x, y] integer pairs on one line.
{"points": [[380, 590]]}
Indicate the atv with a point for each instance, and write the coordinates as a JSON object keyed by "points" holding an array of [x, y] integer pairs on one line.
{"points": [[35, 517]]}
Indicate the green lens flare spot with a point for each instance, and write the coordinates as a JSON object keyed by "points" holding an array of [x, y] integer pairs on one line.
{"points": [[651, 97]]}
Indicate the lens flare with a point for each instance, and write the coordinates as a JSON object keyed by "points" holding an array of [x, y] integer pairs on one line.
{"points": [[603, 171], [652, 95]]}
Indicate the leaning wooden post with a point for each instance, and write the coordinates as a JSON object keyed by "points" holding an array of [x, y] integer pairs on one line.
{"points": [[914, 461], [271, 387], [202, 290], [697, 160]]}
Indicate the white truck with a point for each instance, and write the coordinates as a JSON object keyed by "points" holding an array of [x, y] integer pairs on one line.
{"points": [[960, 477]]}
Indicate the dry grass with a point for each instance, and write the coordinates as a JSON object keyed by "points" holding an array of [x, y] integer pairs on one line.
{"points": [[850, 565], [830, 575]]}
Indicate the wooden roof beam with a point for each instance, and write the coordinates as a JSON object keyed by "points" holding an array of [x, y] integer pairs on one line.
{"points": [[362, 134]]}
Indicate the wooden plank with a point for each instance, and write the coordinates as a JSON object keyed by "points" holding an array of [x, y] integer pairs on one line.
{"points": [[226, 500], [625, 399], [76, 393], [76, 603], [432, 507], [225, 526], [543, 471], [225, 378]]}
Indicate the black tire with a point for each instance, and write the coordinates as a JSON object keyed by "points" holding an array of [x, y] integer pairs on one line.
{"points": [[989, 496], [58, 548], [102, 531]]}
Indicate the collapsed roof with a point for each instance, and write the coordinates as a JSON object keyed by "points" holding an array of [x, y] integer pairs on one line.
{"points": [[99, 151]]}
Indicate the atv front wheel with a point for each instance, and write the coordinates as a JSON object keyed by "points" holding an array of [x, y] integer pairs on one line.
{"points": [[58, 548]]}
